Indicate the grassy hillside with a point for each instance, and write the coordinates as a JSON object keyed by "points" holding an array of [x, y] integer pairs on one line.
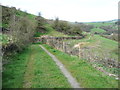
{"points": [[8, 11], [104, 43], [85, 74], [51, 32], [17, 29], [98, 42], [104, 23], [107, 29], [97, 50]]}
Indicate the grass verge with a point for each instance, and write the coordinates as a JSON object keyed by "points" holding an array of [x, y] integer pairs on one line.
{"points": [[12, 76], [85, 74]]}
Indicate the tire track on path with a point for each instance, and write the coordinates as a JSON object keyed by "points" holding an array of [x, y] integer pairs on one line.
{"points": [[29, 74]]}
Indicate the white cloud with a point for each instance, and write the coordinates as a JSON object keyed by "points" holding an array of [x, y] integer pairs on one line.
{"points": [[71, 10]]}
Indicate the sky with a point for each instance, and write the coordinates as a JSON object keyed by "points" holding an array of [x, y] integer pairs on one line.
{"points": [[69, 10]]}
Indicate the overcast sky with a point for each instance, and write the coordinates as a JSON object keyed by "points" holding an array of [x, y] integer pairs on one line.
{"points": [[70, 10]]}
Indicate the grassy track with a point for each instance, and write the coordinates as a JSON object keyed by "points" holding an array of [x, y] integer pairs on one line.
{"points": [[33, 68], [14, 71], [85, 74]]}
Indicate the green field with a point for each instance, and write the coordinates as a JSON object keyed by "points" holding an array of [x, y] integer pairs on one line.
{"points": [[98, 30], [98, 24]]}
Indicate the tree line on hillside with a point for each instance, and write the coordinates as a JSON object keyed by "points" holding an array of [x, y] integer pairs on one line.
{"points": [[111, 31], [70, 28]]}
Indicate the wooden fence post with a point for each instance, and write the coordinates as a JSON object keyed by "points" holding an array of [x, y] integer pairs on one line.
{"points": [[63, 46], [79, 51]]}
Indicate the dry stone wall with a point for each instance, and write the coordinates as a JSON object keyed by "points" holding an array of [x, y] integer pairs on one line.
{"points": [[88, 54]]}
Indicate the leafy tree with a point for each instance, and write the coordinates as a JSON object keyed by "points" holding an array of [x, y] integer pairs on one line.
{"points": [[75, 30], [21, 31], [63, 26]]}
